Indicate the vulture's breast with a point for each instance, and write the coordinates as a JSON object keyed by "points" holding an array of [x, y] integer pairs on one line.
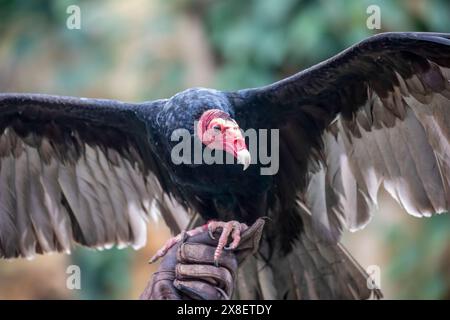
{"points": [[218, 179]]}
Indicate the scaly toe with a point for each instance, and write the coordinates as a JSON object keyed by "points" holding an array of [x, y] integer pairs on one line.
{"points": [[168, 245], [226, 230], [233, 228], [238, 228], [211, 231]]}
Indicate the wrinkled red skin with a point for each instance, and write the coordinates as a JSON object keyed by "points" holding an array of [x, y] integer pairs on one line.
{"points": [[217, 130]]}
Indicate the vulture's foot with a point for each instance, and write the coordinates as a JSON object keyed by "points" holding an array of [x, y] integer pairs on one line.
{"points": [[233, 228]]}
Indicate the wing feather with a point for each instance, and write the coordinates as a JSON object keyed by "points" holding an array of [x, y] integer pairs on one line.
{"points": [[375, 115], [78, 171], [410, 157]]}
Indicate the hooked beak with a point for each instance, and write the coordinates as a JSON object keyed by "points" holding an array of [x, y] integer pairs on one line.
{"points": [[235, 145], [243, 157], [238, 148]]}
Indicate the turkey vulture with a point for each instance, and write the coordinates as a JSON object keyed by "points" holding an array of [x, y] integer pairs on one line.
{"points": [[377, 114]]}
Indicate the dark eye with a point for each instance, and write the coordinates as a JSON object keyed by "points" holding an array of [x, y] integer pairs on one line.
{"points": [[217, 128]]}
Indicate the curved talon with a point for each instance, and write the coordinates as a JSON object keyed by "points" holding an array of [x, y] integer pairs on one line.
{"points": [[210, 232], [236, 235]]}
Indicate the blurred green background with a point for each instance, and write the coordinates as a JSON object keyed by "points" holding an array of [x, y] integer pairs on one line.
{"points": [[141, 50]]}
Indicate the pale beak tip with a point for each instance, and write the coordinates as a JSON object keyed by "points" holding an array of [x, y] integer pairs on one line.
{"points": [[244, 158]]}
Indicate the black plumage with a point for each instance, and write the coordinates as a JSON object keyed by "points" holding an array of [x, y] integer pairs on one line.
{"points": [[90, 171]]}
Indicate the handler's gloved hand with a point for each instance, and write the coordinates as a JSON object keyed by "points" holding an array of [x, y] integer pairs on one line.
{"points": [[187, 271]]}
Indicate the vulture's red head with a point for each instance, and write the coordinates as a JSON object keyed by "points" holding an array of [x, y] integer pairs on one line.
{"points": [[217, 130]]}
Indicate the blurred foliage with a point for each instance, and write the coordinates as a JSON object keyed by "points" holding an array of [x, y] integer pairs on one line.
{"points": [[259, 41], [251, 43], [104, 274], [420, 259], [84, 57]]}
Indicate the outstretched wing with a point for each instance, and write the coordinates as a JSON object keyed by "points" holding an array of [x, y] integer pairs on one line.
{"points": [[76, 170], [377, 114]]}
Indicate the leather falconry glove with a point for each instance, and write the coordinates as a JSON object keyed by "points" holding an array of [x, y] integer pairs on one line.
{"points": [[187, 271]]}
